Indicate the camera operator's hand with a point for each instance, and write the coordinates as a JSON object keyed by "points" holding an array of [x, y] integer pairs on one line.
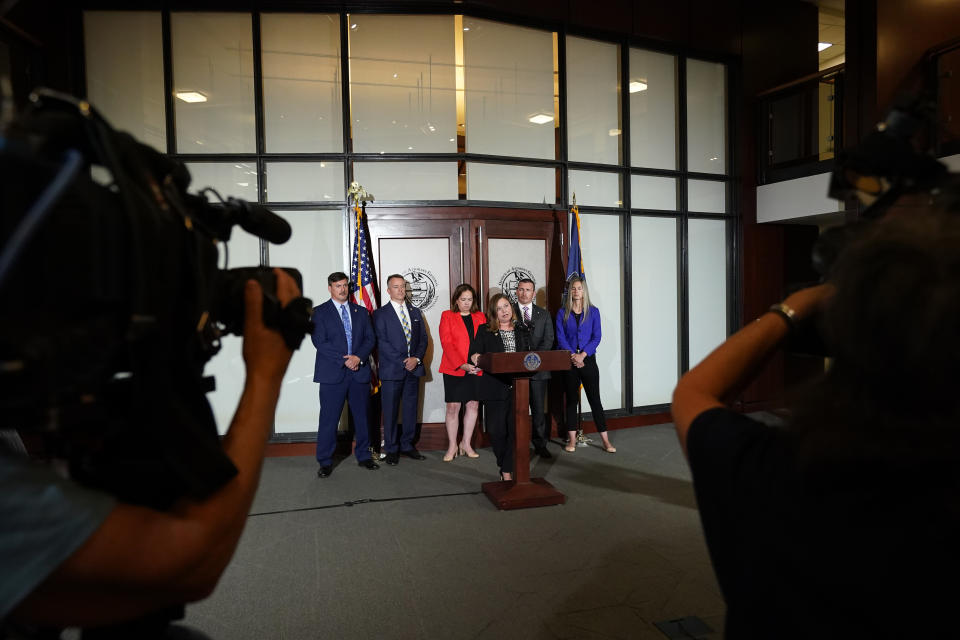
{"points": [[807, 303], [733, 365], [141, 560], [264, 350]]}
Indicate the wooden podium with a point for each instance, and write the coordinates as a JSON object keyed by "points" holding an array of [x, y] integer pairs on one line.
{"points": [[523, 491]]}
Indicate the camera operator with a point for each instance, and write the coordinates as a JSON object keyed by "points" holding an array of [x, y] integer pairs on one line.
{"points": [[74, 557], [834, 526]]}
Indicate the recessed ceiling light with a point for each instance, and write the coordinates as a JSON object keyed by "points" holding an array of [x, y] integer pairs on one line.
{"points": [[614, 132], [466, 28], [824, 45], [395, 75], [540, 118], [638, 85], [191, 96], [354, 26]]}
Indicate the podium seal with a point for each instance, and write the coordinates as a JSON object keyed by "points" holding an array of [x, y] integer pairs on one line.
{"points": [[531, 362]]}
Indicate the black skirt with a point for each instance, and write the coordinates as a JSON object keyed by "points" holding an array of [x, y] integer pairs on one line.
{"points": [[460, 388]]}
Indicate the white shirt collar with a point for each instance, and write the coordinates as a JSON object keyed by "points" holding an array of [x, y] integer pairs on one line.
{"points": [[397, 306]]}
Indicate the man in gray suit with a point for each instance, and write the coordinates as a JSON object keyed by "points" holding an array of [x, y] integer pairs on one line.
{"points": [[540, 325]]}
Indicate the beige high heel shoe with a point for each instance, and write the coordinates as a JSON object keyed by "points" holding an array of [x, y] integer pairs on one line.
{"points": [[469, 454], [448, 457]]}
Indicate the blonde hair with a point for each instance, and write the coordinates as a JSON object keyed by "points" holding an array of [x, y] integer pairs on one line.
{"points": [[493, 324], [568, 302]]}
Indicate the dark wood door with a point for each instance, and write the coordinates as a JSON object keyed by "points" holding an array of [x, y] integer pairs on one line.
{"points": [[437, 248]]}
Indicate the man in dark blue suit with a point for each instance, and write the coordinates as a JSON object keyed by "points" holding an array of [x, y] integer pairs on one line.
{"points": [[402, 343], [344, 339]]}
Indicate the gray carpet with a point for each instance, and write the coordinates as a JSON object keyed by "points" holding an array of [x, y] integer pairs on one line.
{"points": [[385, 554]]}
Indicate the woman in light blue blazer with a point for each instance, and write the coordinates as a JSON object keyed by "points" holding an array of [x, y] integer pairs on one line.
{"points": [[578, 331]]}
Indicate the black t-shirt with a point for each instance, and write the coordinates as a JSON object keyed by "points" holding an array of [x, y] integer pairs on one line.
{"points": [[468, 323], [849, 550]]}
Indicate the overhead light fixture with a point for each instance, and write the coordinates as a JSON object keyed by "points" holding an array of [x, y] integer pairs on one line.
{"points": [[823, 45], [637, 86], [466, 28], [191, 96], [354, 26], [614, 132], [540, 118]]}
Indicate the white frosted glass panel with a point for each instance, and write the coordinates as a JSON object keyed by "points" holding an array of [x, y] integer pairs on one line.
{"points": [[316, 249], [706, 117], [593, 101], [237, 179], [707, 269], [508, 79], [403, 84], [408, 180], [707, 195], [213, 56], [506, 183], [653, 109], [650, 192], [227, 366], [304, 181], [302, 110], [654, 262], [595, 188], [124, 69], [509, 260], [603, 263]]}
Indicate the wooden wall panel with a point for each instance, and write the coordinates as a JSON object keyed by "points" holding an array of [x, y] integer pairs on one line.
{"points": [[905, 30]]}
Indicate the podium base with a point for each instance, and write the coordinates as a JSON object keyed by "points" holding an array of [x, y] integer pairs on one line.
{"points": [[508, 494]]}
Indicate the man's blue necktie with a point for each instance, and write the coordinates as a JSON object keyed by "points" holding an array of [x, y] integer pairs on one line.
{"points": [[347, 329]]}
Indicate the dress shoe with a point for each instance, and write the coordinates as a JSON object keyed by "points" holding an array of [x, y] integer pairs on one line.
{"points": [[393, 459], [448, 457], [543, 453], [413, 454], [470, 454], [324, 471], [369, 464]]}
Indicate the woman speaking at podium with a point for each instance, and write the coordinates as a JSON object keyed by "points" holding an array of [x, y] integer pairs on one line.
{"points": [[501, 334]]}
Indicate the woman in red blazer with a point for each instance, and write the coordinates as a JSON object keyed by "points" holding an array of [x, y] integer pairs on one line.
{"points": [[457, 329]]}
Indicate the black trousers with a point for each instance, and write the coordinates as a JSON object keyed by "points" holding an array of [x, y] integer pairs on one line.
{"points": [[538, 430], [589, 377], [498, 415]]}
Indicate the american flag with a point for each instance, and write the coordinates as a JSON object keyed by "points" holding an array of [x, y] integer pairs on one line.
{"points": [[362, 281], [363, 293], [361, 270]]}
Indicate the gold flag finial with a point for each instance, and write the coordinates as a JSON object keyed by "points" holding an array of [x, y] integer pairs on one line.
{"points": [[357, 194]]}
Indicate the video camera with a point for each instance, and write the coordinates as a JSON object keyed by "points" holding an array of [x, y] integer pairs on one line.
{"points": [[112, 301]]}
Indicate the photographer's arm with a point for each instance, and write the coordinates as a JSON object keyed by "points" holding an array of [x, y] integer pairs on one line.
{"points": [[731, 366], [140, 560]]}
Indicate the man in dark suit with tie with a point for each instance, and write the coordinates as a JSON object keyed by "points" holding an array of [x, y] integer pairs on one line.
{"points": [[538, 322], [402, 343], [344, 339]]}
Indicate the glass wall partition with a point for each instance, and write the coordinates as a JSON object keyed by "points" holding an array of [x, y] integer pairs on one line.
{"points": [[286, 109]]}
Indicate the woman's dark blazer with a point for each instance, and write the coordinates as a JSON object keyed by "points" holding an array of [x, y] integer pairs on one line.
{"points": [[496, 387]]}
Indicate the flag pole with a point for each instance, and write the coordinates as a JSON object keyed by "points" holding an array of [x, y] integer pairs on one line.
{"points": [[582, 440], [363, 279]]}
